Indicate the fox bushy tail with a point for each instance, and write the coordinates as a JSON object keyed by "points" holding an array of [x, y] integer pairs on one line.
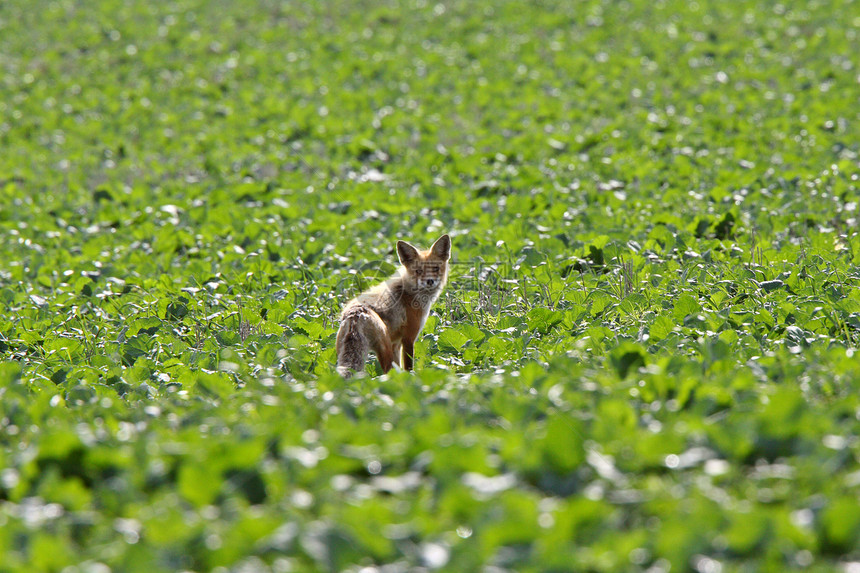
{"points": [[361, 330]]}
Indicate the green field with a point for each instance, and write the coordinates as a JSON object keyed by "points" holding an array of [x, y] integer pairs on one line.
{"points": [[646, 358]]}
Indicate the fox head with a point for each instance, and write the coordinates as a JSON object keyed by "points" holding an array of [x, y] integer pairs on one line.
{"points": [[425, 270]]}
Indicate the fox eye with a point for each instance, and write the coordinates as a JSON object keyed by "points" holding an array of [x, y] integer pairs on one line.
{"points": [[419, 272]]}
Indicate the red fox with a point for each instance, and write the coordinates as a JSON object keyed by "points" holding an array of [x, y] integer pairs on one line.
{"points": [[388, 317]]}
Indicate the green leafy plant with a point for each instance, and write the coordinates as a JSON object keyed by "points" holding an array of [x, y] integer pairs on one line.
{"points": [[645, 358]]}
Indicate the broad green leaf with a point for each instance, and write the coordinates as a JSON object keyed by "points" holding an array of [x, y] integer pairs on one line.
{"points": [[685, 305]]}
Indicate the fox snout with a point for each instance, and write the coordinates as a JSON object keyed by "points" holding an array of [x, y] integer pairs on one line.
{"points": [[428, 276]]}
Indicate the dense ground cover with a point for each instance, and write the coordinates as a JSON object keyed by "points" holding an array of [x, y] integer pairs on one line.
{"points": [[645, 358]]}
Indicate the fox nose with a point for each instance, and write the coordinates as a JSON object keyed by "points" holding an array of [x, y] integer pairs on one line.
{"points": [[430, 282]]}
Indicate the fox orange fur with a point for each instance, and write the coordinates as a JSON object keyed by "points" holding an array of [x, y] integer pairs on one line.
{"points": [[388, 317]]}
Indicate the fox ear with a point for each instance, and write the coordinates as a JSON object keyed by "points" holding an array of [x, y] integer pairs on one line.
{"points": [[406, 252], [442, 247]]}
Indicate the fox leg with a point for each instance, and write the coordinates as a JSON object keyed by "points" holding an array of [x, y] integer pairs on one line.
{"points": [[397, 348], [375, 336], [381, 345], [408, 353]]}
